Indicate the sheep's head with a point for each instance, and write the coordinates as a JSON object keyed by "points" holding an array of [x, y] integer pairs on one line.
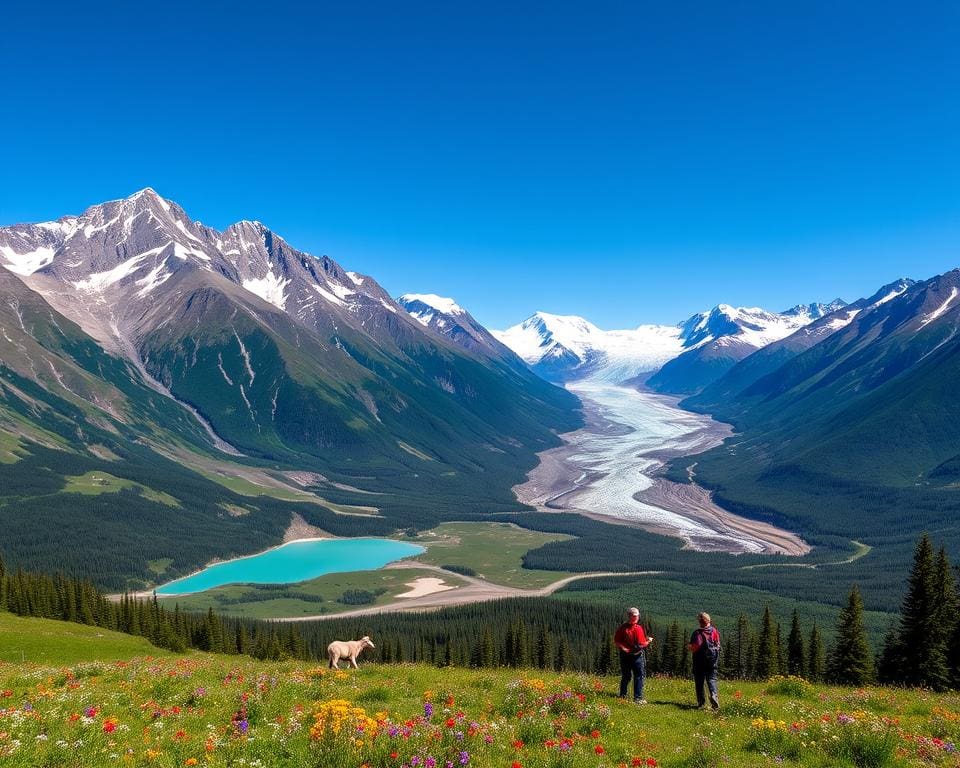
{"points": [[366, 642]]}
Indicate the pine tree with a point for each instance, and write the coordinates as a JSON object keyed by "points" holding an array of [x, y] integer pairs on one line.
{"points": [[796, 653], [768, 656], [781, 652], [484, 655], [816, 656], [545, 652], [671, 660], [852, 661], [945, 601], [741, 663], [919, 652], [607, 660]]}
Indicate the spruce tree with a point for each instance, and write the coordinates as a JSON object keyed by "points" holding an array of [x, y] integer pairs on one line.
{"points": [[607, 660], [781, 652], [671, 659], [741, 662], [852, 660], [796, 653], [919, 652], [945, 600], [545, 652], [816, 656], [768, 656]]}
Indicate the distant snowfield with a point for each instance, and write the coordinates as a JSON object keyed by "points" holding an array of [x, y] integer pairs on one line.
{"points": [[607, 467]]}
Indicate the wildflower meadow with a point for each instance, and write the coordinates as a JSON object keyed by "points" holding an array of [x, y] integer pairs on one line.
{"points": [[209, 710]]}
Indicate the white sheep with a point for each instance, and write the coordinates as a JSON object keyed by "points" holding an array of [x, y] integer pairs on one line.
{"points": [[347, 649]]}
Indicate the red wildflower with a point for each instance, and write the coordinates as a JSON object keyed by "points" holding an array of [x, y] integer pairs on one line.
{"points": [[517, 744], [599, 749], [595, 734]]}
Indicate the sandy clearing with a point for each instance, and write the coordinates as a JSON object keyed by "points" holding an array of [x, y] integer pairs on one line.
{"points": [[426, 585]]}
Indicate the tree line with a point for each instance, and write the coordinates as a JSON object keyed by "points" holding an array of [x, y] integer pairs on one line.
{"points": [[923, 650]]}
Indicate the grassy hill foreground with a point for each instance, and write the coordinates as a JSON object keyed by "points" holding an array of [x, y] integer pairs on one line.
{"points": [[203, 709]]}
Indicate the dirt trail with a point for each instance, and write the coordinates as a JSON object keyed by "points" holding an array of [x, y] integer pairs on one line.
{"points": [[475, 591]]}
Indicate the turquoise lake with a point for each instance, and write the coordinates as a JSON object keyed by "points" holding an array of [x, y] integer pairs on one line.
{"points": [[296, 561]]}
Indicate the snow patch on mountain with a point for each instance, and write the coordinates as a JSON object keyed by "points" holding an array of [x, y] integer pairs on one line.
{"points": [[26, 263], [440, 303], [154, 278], [941, 309], [269, 288], [100, 281], [892, 294]]}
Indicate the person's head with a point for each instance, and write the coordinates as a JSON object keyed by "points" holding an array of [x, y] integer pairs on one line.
{"points": [[704, 619], [633, 615]]}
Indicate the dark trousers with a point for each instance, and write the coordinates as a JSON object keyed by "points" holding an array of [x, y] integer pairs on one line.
{"points": [[706, 675], [633, 665]]}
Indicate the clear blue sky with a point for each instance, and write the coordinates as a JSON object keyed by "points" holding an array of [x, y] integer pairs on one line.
{"points": [[629, 161]]}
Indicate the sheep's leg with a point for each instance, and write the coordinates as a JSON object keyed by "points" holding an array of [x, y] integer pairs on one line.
{"points": [[353, 660]]}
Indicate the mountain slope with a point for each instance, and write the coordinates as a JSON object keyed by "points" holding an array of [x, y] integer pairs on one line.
{"points": [[236, 351], [724, 336], [858, 435], [448, 319], [723, 392]]}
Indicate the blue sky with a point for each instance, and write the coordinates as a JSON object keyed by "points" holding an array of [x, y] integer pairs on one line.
{"points": [[626, 161]]}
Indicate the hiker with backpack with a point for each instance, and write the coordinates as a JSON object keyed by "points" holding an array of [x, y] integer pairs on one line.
{"points": [[705, 646]]}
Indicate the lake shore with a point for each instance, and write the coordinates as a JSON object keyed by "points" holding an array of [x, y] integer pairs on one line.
{"points": [[612, 470]]}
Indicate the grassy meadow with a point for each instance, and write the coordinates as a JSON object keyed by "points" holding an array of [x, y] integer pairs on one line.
{"points": [[92, 702]]}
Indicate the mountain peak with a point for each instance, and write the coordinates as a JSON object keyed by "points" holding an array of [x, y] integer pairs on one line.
{"points": [[433, 301]]}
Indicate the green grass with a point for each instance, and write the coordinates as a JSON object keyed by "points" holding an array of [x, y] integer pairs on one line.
{"points": [[230, 711], [10, 448], [330, 587], [42, 641], [96, 482], [248, 488], [160, 565], [494, 550]]}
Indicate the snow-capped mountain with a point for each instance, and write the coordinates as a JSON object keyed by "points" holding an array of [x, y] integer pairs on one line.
{"points": [[815, 311], [565, 347], [105, 268], [279, 352]]}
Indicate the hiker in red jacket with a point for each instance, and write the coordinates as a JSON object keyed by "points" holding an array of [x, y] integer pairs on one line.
{"points": [[705, 646], [632, 642]]}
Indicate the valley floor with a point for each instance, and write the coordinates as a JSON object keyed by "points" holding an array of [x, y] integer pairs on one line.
{"points": [[610, 469], [203, 709]]}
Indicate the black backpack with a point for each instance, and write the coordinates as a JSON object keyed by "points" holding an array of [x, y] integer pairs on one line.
{"points": [[709, 651]]}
